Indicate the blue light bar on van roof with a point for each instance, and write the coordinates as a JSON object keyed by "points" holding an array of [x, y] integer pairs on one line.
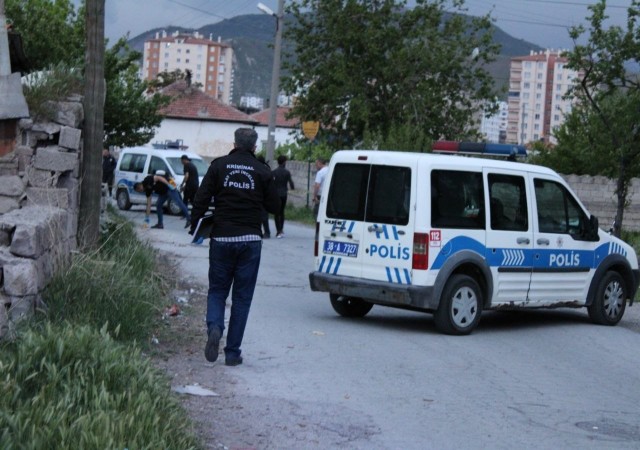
{"points": [[479, 148]]}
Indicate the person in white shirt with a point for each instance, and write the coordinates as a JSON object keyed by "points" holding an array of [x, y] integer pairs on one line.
{"points": [[321, 174]]}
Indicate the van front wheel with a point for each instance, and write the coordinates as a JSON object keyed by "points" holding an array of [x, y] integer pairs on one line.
{"points": [[607, 307], [460, 306], [350, 306], [122, 197]]}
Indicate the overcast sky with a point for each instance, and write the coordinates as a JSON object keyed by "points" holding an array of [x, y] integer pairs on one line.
{"points": [[543, 22]]}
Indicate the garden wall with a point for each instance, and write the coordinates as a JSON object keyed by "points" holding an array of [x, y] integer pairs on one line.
{"points": [[39, 199]]}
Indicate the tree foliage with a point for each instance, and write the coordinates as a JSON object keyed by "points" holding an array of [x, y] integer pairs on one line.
{"points": [[130, 116], [376, 65], [605, 122], [52, 31]]}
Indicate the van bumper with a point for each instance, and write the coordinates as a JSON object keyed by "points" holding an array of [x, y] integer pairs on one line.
{"points": [[378, 292]]}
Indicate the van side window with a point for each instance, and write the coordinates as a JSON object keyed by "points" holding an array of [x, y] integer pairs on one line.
{"points": [[158, 164], [348, 190], [389, 194], [457, 199], [508, 203], [558, 211], [132, 162]]}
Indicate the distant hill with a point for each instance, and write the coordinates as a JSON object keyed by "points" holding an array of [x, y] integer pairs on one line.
{"points": [[252, 37]]}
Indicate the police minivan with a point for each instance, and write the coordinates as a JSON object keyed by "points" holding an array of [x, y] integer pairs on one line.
{"points": [[454, 236], [135, 163]]}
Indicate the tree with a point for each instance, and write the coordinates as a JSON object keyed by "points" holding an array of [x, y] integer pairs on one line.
{"points": [[375, 65], [130, 115], [608, 94], [51, 31]]}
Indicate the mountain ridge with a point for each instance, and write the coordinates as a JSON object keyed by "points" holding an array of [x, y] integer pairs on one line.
{"points": [[252, 36]]}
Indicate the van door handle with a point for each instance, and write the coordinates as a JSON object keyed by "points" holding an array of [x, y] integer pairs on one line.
{"points": [[543, 241], [373, 228], [522, 240]]}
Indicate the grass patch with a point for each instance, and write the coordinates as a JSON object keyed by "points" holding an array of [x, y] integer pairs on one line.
{"points": [[117, 285], [66, 386], [300, 214]]}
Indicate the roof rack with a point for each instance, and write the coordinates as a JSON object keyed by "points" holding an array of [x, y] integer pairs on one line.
{"points": [[508, 151], [178, 144]]}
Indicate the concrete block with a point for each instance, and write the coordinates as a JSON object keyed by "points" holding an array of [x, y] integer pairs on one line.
{"points": [[21, 277], [42, 178], [70, 114], [70, 138], [11, 186], [51, 158], [56, 198], [48, 128], [8, 204], [67, 181]]}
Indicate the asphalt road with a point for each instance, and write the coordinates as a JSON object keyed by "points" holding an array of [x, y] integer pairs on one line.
{"points": [[313, 379]]}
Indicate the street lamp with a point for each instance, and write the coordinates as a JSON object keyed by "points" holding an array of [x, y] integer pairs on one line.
{"points": [[275, 75]]}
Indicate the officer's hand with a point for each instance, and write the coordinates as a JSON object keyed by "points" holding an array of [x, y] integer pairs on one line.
{"points": [[172, 187]]}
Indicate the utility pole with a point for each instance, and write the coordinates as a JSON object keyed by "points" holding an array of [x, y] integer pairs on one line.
{"points": [[275, 76]]}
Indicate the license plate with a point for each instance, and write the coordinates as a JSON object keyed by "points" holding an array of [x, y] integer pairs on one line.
{"points": [[340, 248]]}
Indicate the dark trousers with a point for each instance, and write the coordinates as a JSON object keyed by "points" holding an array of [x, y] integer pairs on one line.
{"points": [[265, 223], [279, 216], [232, 266], [188, 195], [173, 194], [108, 177]]}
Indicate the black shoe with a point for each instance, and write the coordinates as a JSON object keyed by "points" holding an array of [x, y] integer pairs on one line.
{"points": [[233, 361], [158, 226], [213, 344], [266, 236]]}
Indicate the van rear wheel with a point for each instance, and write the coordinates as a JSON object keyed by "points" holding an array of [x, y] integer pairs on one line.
{"points": [[610, 301], [350, 306], [460, 306], [122, 197]]}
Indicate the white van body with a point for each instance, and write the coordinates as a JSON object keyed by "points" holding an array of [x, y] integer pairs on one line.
{"points": [[454, 235], [136, 163]]}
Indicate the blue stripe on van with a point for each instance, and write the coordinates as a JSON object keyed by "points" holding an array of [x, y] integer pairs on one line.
{"points": [[335, 270], [324, 258], [351, 225], [330, 264], [389, 279]]}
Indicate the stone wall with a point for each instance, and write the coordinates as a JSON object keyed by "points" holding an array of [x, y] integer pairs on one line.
{"points": [[39, 199], [596, 193]]}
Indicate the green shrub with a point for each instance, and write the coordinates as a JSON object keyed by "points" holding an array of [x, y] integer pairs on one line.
{"points": [[74, 387], [117, 285], [55, 84], [300, 214]]}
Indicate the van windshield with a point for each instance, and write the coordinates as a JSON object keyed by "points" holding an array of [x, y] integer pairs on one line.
{"points": [[178, 168]]}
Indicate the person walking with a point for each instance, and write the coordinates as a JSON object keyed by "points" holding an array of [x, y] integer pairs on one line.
{"points": [[191, 180], [321, 174], [165, 188], [282, 179], [108, 169], [241, 188]]}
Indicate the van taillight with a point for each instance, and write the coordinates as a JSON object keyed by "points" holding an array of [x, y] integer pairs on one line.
{"points": [[420, 251], [315, 245]]}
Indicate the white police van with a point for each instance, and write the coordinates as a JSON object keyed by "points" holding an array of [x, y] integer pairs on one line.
{"points": [[454, 236], [136, 163]]}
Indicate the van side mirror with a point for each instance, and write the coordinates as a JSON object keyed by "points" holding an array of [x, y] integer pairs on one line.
{"points": [[591, 233]]}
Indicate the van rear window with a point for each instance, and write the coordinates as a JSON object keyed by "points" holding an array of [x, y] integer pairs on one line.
{"points": [[387, 201], [457, 199], [348, 191]]}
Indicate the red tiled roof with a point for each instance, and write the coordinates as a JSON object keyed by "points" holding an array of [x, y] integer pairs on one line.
{"points": [[189, 40], [281, 118], [192, 103]]}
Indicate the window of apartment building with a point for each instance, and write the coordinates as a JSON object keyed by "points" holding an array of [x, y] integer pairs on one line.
{"points": [[559, 77], [525, 96], [558, 96], [179, 50], [220, 78], [212, 58], [527, 64], [210, 77], [166, 54], [186, 61], [212, 68], [221, 59], [536, 136], [557, 108], [539, 75], [556, 117], [188, 50], [537, 116], [524, 136], [536, 126], [540, 65], [538, 95], [220, 69], [526, 85], [525, 126], [197, 76], [558, 87], [539, 86], [166, 65], [537, 106], [178, 60], [525, 116], [199, 67], [527, 75], [559, 66]]}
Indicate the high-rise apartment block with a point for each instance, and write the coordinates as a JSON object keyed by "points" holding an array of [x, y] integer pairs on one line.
{"points": [[210, 62], [537, 86], [494, 127]]}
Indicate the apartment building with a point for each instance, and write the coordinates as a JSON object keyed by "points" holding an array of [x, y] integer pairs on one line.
{"points": [[536, 105], [494, 127], [210, 62]]}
